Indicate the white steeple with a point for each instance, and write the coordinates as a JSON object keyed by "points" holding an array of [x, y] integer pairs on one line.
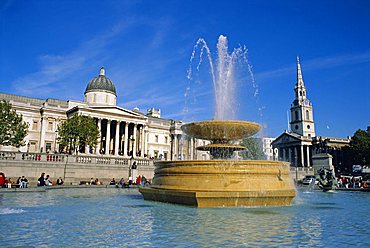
{"points": [[301, 110]]}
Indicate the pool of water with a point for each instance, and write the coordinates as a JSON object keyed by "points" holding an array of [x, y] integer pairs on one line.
{"points": [[109, 217]]}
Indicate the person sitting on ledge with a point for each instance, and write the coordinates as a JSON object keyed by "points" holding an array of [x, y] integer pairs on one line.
{"points": [[97, 182], [41, 180], [48, 181], [113, 182], [60, 181], [24, 182]]}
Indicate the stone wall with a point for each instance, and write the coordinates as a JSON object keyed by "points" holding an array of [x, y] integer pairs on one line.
{"points": [[70, 167]]}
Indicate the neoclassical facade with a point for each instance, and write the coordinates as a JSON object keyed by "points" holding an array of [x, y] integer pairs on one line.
{"points": [[123, 132]]}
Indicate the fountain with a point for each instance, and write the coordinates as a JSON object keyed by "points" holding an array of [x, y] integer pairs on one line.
{"points": [[222, 182]]}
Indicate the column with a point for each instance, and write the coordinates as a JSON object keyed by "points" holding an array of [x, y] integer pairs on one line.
{"points": [[308, 156], [126, 140], [174, 147], [290, 155], [87, 150], [116, 146], [191, 148], [295, 156], [146, 142], [302, 156], [107, 138], [142, 146], [97, 150], [283, 154], [135, 141], [42, 134]]}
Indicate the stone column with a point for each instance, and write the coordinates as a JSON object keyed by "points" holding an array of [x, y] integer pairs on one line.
{"points": [[142, 143], [283, 154], [117, 140], [290, 155], [146, 142], [126, 140], [191, 149], [295, 156], [42, 134], [97, 150], [135, 140], [107, 138], [302, 156], [308, 156], [174, 147]]}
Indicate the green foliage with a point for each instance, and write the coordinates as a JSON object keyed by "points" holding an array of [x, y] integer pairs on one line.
{"points": [[77, 132], [254, 149], [360, 147], [12, 127]]}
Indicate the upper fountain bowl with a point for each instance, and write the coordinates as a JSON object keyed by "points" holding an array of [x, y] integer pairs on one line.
{"points": [[221, 130]]}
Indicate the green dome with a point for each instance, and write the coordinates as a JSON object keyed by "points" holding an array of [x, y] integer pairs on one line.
{"points": [[101, 83]]}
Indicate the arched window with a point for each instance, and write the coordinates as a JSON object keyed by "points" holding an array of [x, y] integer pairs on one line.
{"points": [[300, 93], [296, 115], [307, 114]]}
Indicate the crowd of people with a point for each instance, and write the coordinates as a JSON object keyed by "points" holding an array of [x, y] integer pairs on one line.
{"points": [[126, 183], [352, 182], [5, 182], [46, 181]]}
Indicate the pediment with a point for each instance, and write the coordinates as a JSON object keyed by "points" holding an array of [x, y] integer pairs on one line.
{"points": [[286, 138]]}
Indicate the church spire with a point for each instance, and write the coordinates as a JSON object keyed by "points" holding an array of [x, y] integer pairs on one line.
{"points": [[299, 74]]}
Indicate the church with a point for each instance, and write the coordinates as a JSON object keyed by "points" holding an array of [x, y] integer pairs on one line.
{"points": [[300, 143], [123, 132]]}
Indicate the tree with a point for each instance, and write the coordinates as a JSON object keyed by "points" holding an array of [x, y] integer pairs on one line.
{"points": [[77, 132], [12, 127], [360, 147], [254, 149]]}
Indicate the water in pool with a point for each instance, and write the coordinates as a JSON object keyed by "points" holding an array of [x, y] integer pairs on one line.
{"points": [[109, 217]]}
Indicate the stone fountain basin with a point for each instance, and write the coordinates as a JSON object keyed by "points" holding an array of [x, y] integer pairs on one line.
{"points": [[221, 130], [222, 183]]}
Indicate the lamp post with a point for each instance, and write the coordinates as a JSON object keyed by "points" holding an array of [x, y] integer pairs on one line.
{"points": [[28, 147], [55, 140]]}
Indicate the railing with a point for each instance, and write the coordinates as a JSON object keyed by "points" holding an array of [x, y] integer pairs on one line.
{"points": [[79, 159], [303, 169], [7, 155]]}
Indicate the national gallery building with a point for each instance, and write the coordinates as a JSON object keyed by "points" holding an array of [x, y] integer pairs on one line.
{"points": [[123, 132]]}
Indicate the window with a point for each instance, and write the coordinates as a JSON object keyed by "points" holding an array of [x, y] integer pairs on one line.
{"points": [[296, 115], [300, 93], [156, 154], [48, 146], [34, 125], [307, 115], [296, 127], [166, 139], [308, 126], [156, 139], [50, 126]]}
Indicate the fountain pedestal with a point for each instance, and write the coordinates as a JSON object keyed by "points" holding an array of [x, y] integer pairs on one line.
{"points": [[221, 182]]}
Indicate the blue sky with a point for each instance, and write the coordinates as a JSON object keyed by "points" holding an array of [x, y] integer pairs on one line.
{"points": [[51, 49]]}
